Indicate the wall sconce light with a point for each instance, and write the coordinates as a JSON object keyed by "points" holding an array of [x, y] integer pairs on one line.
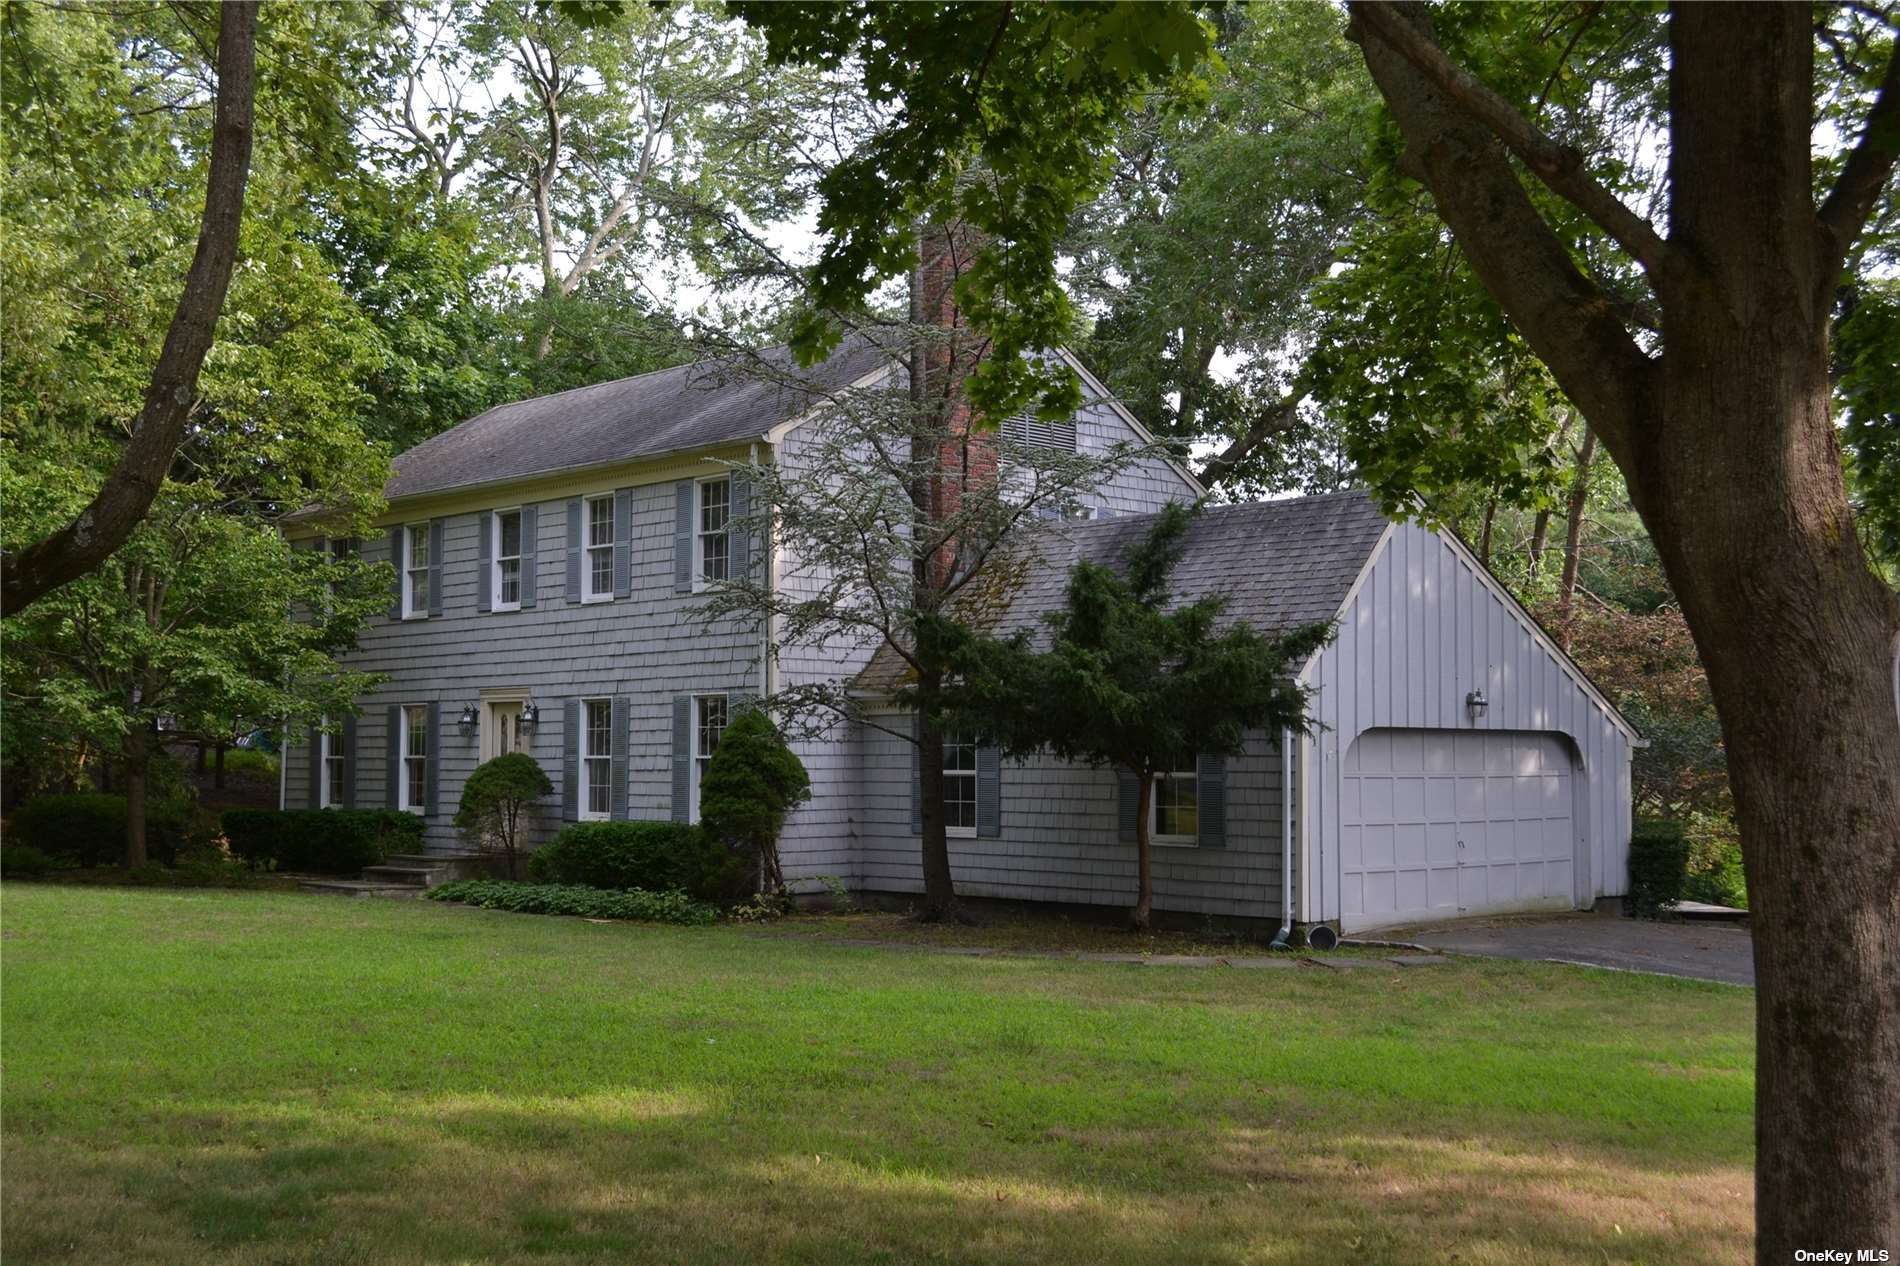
{"points": [[467, 722], [530, 717], [1475, 704]]}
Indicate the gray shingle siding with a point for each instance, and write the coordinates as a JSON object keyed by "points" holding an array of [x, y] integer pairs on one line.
{"points": [[648, 647]]}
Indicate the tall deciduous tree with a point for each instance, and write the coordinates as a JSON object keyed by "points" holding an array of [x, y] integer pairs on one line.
{"points": [[1696, 351], [122, 500], [1131, 679]]}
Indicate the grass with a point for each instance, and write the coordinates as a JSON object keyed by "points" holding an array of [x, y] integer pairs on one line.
{"points": [[242, 1077]]}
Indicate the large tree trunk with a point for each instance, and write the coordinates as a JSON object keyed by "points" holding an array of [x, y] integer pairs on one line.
{"points": [[128, 491], [940, 890], [138, 756], [1573, 537], [1144, 881], [1731, 457]]}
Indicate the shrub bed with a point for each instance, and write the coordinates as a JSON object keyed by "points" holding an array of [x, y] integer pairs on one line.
{"points": [[576, 899], [1659, 862], [87, 828], [650, 856], [23, 861], [320, 841]]}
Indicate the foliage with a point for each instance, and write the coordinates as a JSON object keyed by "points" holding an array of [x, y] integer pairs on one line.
{"points": [[1659, 857], [1132, 677], [1007, 117], [247, 764], [87, 828], [753, 780], [23, 861], [320, 841], [494, 798], [1867, 393], [670, 906], [1203, 256], [655, 856]]}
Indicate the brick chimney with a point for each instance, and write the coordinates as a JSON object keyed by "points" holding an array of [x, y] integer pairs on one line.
{"points": [[944, 352]]}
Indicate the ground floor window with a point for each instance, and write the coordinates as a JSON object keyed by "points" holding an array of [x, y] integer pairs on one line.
{"points": [[1177, 805], [330, 747], [959, 785], [415, 757], [709, 726], [597, 730]]}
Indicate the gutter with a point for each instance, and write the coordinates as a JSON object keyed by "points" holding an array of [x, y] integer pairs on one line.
{"points": [[1280, 940]]}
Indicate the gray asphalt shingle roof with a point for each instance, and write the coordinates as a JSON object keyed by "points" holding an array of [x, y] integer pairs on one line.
{"points": [[670, 410], [1282, 564]]}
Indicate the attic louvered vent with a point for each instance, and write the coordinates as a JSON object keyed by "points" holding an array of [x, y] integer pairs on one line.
{"points": [[1035, 433]]}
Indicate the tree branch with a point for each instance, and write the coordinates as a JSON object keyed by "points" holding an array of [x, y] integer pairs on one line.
{"points": [[1858, 187], [127, 494], [1558, 166]]}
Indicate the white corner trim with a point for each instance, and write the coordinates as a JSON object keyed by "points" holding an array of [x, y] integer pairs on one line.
{"points": [[1094, 384]]}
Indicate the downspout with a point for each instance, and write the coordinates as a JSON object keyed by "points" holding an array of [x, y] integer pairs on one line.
{"points": [[1286, 840], [283, 768]]}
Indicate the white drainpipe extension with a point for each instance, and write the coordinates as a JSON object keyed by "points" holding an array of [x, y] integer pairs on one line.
{"points": [[1286, 840]]}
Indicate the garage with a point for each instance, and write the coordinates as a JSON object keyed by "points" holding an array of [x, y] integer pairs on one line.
{"points": [[1437, 824]]}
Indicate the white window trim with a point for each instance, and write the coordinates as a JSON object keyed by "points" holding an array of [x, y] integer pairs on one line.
{"points": [[406, 782], [587, 759], [700, 760], [410, 533], [327, 752], [588, 592], [496, 558], [976, 793], [700, 535], [1154, 811]]}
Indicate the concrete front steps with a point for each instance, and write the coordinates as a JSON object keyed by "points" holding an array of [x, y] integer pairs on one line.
{"points": [[404, 875]]}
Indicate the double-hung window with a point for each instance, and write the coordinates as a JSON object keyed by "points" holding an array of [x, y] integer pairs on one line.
{"points": [[715, 514], [709, 726], [415, 571], [507, 552], [597, 562], [959, 786], [1177, 805], [330, 790], [597, 729], [415, 758]]}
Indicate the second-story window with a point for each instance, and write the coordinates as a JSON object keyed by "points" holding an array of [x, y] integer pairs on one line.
{"points": [[597, 566], [415, 571], [508, 560], [715, 513]]}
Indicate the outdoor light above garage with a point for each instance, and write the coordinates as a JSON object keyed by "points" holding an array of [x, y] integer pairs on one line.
{"points": [[1475, 704]]}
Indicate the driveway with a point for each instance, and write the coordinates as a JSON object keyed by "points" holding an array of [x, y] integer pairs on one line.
{"points": [[1703, 950]]}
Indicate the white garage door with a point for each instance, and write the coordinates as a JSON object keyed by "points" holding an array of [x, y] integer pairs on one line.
{"points": [[1435, 824]]}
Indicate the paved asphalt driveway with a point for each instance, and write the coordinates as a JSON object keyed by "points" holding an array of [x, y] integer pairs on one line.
{"points": [[1704, 950]]}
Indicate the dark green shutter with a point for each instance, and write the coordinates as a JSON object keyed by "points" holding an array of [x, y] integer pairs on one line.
{"points": [[571, 762], [622, 711], [682, 758], [395, 560], [392, 791], [349, 762], [574, 511], [989, 792], [1127, 804], [1211, 800], [623, 542], [316, 768], [434, 758], [683, 537], [485, 562], [436, 534], [738, 535], [917, 774], [530, 546]]}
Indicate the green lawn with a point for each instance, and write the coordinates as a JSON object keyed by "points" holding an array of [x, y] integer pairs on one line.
{"points": [[277, 1078]]}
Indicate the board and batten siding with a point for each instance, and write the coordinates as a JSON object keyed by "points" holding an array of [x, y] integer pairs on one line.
{"points": [[1421, 631], [1060, 840], [825, 836], [647, 647]]}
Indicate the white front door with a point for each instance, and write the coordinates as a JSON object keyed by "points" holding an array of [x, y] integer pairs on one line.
{"points": [[501, 729]]}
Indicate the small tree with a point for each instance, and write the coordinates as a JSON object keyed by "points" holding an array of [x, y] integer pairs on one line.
{"points": [[495, 798], [751, 783], [1131, 680]]}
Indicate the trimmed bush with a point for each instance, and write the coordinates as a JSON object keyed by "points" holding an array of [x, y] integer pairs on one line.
{"points": [[23, 861], [576, 899], [87, 828], [1659, 862], [320, 841], [651, 856], [752, 782], [496, 801]]}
